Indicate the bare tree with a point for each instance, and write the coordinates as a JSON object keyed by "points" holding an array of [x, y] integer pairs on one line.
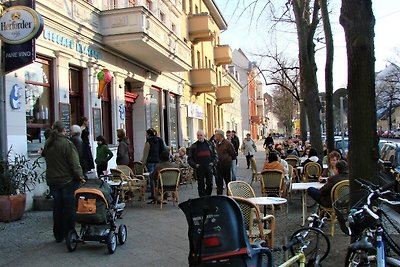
{"points": [[358, 21], [284, 107], [388, 90]]}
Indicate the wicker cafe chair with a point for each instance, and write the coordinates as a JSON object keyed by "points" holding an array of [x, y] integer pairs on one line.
{"points": [[168, 181], [240, 189], [136, 183], [255, 175], [339, 191], [117, 176], [138, 168], [294, 161], [272, 182], [254, 222], [125, 169], [186, 175], [312, 171]]}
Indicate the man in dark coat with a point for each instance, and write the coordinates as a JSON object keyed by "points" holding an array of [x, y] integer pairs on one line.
{"points": [[226, 153], [202, 157], [323, 195]]}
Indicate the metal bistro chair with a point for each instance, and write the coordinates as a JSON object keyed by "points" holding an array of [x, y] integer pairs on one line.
{"points": [[255, 175], [254, 222], [312, 171], [240, 189], [339, 191], [168, 181], [136, 183]]}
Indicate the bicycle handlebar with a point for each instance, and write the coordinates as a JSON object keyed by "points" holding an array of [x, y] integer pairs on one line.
{"points": [[292, 242]]}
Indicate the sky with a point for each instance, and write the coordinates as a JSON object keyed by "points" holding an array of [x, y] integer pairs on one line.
{"points": [[249, 30]]}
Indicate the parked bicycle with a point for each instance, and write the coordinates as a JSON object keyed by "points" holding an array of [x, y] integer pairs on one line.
{"points": [[309, 246], [378, 235]]}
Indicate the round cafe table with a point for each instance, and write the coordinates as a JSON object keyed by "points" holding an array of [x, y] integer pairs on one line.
{"points": [[267, 201]]}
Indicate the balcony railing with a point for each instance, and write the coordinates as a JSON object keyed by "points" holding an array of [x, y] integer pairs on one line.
{"points": [[203, 81], [224, 94], [222, 55]]}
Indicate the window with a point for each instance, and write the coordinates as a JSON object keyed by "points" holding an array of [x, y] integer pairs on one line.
{"points": [[184, 6], [106, 114], [76, 94], [196, 9], [206, 60], [162, 16], [173, 27], [173, 121], [38, 100], [198, 60], [155, 109], [149, 5]]}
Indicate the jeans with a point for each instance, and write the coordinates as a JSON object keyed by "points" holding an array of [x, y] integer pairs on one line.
{"points": [[204, 173], [223, 174], [151, 167], [64, 209], [234, 169], [314, 193]]}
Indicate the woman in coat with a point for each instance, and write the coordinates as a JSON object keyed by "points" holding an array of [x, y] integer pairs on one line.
{"points": [[248, 148]]}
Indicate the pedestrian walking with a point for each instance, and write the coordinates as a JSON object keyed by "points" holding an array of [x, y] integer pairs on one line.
{"points": [[236, 144], [123, 148], [268, 141], [63, 175], [226, 153], [88, 163], [202, 157], [103, 155], [248, 148]]}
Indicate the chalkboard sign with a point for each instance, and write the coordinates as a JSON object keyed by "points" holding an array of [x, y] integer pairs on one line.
{"points": [[65, 116], [97, 122]]}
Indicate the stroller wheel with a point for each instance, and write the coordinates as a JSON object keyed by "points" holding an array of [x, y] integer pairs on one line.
{"points": [[72, 240], [122, 234], [111, 242]]}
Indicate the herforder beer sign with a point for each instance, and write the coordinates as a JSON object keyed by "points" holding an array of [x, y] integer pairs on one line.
{"points": [[19, 24]]}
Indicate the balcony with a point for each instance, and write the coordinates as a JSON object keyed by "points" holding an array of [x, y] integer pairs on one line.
{"points": [[257, 120], [201, 28], [222, 55], [203, 81], [135, 32], [224, 95]]}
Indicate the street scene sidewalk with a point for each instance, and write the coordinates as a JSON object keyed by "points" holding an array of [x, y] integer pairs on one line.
{"points": [[155, 237]]}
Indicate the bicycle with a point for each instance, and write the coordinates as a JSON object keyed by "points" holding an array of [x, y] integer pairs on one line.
{"points": [[371, 224], [309, 246]]}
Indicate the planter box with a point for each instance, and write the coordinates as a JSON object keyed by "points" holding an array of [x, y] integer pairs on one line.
{"points": [[41, 203], [12, 207]]}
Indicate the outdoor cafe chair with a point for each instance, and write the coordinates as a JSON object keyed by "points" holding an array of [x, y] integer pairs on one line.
{"points": [[339, 191], [240, 189], [294, 161], [258, 227], [136, 183], [138, 168], [186, 175], [272, 182], [312, 171], [168, 181]]}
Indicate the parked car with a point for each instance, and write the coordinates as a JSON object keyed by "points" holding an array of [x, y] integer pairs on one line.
{"points": [[396, 133], [389, 159], [388, 134], [338, 145]]}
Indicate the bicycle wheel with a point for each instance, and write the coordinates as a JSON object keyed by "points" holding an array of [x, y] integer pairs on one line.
{"points": [[316, 242]]}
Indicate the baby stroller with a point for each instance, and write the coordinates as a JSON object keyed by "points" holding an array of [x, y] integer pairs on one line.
{"points": [[217, 236], [97, 213]]}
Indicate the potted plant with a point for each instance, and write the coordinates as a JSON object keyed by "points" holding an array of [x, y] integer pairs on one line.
{"points": [[18, 174]]}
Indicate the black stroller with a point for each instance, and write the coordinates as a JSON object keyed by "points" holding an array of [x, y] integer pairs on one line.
{"points": [[217, 236], [97, 213]]}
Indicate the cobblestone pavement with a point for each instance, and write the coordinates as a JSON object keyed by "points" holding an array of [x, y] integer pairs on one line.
{"points": [[155, 237]]}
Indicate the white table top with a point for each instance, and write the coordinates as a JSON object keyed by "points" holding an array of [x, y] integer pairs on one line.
{"points": [[305, 186], [325, 166], [116, 183], [146, 174], [268, 200]]}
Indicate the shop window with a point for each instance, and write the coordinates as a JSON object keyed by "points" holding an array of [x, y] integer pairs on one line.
{"points": [[38, 101], [106, 114], [155, 110], [76, 94], [173, 121]]}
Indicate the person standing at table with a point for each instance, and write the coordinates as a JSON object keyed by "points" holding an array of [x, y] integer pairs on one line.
{"points": [[63, 176], [226, 153], [123, 148], [323, 195], [103, 155], [202, 157], [248, 148], [88, 163]]}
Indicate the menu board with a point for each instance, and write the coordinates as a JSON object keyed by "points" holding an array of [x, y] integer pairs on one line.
{"points": [[65, 116], [96, 122]]}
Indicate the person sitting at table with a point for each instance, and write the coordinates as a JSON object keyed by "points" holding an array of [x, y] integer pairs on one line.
{"points": [[273, 163], [333, 158], [164, 163], [181, 158], [312, 157], [323, 195]]}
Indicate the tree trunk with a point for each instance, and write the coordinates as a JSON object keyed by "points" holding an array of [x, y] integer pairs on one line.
{"points": [[390, 114], [328, 75], [358, 22]]}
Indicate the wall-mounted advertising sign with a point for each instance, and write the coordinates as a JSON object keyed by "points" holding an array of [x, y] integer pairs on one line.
{"points": [[19, 24]]}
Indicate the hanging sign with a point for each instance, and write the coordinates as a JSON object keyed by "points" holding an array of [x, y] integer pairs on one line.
{"points": [[19, 24]]}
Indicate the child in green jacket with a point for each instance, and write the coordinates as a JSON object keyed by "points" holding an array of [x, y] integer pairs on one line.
{"points": [[103, 155]]}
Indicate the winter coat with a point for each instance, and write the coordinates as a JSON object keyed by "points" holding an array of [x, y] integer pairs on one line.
{"points": [[103, 154], [248, 147], [226, 153], [123, 152]]}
